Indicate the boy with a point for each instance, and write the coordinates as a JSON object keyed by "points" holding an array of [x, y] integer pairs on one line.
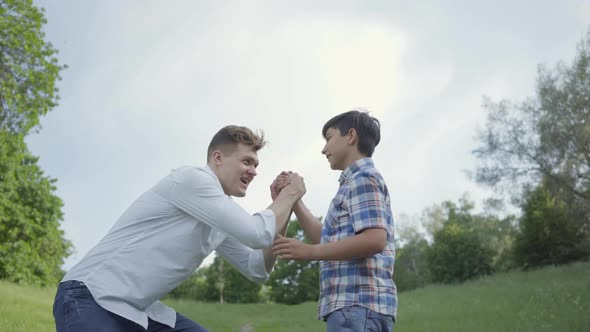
{"points": [[355, 243]]}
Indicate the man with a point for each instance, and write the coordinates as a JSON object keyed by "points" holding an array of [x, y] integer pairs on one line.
{"points": [[165, 235], [355, 243]]}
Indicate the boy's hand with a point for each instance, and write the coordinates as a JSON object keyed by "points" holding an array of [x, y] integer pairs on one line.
{"points": [[288, 248]]}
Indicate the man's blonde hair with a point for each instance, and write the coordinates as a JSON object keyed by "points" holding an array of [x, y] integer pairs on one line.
{"points": [[228, 138]]}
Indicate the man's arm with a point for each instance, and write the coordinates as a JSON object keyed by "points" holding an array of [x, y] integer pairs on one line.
{"points": [[200, 195], [365, 244], [269, 258]]}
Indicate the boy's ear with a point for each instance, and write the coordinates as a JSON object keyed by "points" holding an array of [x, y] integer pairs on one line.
{"points": [[352, 137]]}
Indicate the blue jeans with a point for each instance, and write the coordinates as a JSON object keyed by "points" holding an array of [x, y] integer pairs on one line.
{"points": [[358, 319], [74, 309]]}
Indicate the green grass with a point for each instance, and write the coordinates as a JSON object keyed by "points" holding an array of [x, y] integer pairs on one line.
{"points": [[549, 299]]}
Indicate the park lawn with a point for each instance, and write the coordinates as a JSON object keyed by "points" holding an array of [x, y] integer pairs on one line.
{"points": [[548, 299]]}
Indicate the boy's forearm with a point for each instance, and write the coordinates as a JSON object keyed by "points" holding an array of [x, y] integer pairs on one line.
{"points": [[365, 244], [310, 224]]}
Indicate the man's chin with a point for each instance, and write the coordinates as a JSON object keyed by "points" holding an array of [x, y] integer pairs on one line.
{"points": [[240, 193]]}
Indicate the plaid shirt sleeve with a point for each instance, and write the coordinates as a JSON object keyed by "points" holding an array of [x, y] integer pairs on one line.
{"points": [[367, 203]]}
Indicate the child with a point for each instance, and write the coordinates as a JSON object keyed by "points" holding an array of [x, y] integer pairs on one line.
{"points": [[355, 243]]}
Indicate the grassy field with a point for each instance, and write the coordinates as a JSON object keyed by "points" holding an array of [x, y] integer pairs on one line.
{"points": [[550, 299]]}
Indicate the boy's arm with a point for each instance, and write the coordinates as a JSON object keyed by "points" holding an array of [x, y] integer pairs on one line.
{"points": [[365, 244], [310, 224]]}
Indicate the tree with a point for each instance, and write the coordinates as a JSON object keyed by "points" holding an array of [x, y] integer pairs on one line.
{"points": [[546, 235], [32, 247], [459, 251], [224, 283], [29, 68], [294, 282], [411, 268], [544, 142], [546, 137]]}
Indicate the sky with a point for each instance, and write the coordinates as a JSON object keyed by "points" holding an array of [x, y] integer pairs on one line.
{"points": [[149, 83]]}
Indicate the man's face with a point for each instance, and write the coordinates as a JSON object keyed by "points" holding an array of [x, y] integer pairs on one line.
{"points": [[336, 149], [237, 169]]}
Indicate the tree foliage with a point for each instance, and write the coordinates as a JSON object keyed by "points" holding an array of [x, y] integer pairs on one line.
{"points": [[460, 250], [294, 282], [539, 150], [547, 236], [29, 68], [546, 137], [32, 247]]}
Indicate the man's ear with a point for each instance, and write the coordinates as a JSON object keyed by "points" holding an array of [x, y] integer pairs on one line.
{"points": [[217, 158], [352, 137]]}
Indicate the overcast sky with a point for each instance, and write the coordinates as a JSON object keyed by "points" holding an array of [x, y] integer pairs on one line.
{"points": [[150, 82]]}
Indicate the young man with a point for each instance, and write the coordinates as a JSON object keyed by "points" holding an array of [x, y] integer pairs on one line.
{"points": [[165, 235], [355, 243]]}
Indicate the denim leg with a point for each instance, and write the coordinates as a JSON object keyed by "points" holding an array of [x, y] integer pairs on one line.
{"points": [[74, 309], [358, 319], [183, 324], [379, 322]]}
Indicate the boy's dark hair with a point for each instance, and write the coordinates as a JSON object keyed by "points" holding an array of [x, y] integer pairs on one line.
{"points": [[368, 129], [228, 138]]}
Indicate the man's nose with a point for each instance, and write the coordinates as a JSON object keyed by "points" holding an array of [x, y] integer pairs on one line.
{"points": [[252, 171]]}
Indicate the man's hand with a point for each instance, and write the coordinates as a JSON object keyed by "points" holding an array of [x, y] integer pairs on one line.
{"points": [[288, 248], [296, 186], [279, 183]]}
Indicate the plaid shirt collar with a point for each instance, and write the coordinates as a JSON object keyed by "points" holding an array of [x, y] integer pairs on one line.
{"points": [[353, 168]]}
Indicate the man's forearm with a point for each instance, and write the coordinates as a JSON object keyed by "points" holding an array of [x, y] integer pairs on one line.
{"points": [[269, 258], [310, 224]]}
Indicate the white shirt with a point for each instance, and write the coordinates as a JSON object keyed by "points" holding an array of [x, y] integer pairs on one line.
{"points": [[164, 236]]}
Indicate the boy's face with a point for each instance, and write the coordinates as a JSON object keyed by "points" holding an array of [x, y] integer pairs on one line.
{"points": [[237, 169], [337, 149]]}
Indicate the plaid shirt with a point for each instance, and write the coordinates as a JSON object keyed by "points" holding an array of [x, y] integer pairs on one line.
{"points": [[362, 202]]}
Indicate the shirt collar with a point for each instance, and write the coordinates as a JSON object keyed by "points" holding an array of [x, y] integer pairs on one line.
{"points": [[213, 175], [353, 168]]}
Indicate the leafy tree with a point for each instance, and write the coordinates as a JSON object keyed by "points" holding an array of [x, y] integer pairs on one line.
{"points": [[411, 265], [411, 268], [294, 282], [459, 251], [32, 247], [544, 142], [546, 235], [225, 283], [29, 68], [545, 138]]}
